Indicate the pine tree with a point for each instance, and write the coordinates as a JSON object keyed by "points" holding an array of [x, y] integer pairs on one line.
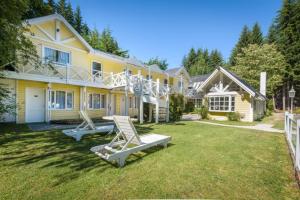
{"points": [[162, 63], [69, 14], [190, 59], [36, 8], [272, 34], [61, 7], [215, 59], [244, 41], [52, 6], [93, 38], [78, 20], [256, 36]]}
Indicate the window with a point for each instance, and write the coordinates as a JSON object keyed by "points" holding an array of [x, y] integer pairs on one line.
{"points": [[197, 103], [96, 101], [61, 100], [130, 102], [147, 77], [57, 56], [97, 69], [222, 103]]}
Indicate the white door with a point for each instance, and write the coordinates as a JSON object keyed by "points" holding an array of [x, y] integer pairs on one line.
{"points": [[35, 105]]}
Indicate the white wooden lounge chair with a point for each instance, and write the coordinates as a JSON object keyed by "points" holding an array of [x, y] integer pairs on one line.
{"points": [[118, 149], [87, 127]]}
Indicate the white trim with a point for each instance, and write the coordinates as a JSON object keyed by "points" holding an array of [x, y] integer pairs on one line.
{"points": [[57, 27], [45, 32], [66, 100], [71, 39], [69, 64], [229, 103], [221, 93]]}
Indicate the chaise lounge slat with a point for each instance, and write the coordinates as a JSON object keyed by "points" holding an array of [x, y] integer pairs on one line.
{"points": [[128, 135]]}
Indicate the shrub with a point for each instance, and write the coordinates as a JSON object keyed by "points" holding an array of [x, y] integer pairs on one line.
{"points": [[234, 116], [203, 112], [189, 107], [176, 107]]}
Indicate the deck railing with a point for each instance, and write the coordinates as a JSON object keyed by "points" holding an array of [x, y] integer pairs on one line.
{"points": [[292, 133]]}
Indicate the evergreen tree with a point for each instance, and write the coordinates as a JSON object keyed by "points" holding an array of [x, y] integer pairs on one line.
{"points": [[215, 59], [61, 7], [93, 38], [272, 34], [244, 41], [162, 63], [256, 36], [78, 20], [52, 6], [69, 14], [35, 8], [206, 56], [110, 45], [190, 59]]}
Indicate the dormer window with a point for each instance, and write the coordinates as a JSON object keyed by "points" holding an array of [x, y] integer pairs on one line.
{"points": [[56, 56]]}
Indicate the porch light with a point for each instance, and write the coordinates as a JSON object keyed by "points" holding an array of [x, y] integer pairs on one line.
{"points": [[292, 94]]}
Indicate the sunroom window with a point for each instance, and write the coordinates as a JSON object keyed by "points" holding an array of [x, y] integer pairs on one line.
{"points": [[56, 56], [222, 103]]}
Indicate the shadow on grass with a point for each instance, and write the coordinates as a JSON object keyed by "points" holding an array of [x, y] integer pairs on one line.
{"points": [[52, 149]]}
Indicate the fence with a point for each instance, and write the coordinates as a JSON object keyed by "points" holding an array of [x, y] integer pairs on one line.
{"points": [[292, 131]]}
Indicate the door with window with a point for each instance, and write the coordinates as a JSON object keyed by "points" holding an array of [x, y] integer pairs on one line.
{"points": [[35, 105], [97, 71]]}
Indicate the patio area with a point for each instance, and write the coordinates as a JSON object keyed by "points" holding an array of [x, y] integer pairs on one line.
{"points": [[202, 161]]}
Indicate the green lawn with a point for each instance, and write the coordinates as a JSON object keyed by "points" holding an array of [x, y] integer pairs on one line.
{"points": [[202, 161]]}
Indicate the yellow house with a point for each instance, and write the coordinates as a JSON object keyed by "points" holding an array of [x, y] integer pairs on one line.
{"points": [[224, 92], [73, 76]]}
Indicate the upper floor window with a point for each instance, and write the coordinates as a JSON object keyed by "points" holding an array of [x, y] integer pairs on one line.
{"points": [[96, 69], [57, 56]]}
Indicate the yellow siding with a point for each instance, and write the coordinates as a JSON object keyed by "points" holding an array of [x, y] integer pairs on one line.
{"points": [[49, 27]]}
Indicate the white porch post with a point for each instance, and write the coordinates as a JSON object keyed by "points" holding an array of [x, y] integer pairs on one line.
{"points": [[83, 96], [167, 104], [141, 110], [126, 92], [108, 104], [298, 145], [157, 101], [48, 103]]}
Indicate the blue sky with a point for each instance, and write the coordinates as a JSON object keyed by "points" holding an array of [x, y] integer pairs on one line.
{"points": [[168, 29]]}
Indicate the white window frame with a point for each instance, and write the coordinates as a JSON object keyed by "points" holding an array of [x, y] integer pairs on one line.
{"points": [[229, 103], [53, 107], [56, 63], [102, 106]]}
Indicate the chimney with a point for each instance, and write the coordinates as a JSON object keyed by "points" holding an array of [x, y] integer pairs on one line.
{"points": [[263, 83]]}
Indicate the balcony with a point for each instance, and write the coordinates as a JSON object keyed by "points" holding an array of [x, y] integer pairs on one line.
{"points": [[57, 73]]}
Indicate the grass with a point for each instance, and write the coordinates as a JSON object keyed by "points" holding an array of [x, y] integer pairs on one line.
{"points": [[202, 161]]}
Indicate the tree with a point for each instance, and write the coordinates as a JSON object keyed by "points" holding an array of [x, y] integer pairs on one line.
{"points": [[78, 20], [61, 7], [190, 59], [15, 48], [215, 59], [35, 8], [93, 38], [244, 41], [265, 58], [256, 36], [272, 34], [69, 14], [52, 6], [110, 45], [162, 63]]}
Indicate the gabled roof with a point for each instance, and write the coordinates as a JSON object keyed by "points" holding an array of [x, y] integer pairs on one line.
{"points": [[199, 78], [243, 84], [176, 71], [56, 16]]}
